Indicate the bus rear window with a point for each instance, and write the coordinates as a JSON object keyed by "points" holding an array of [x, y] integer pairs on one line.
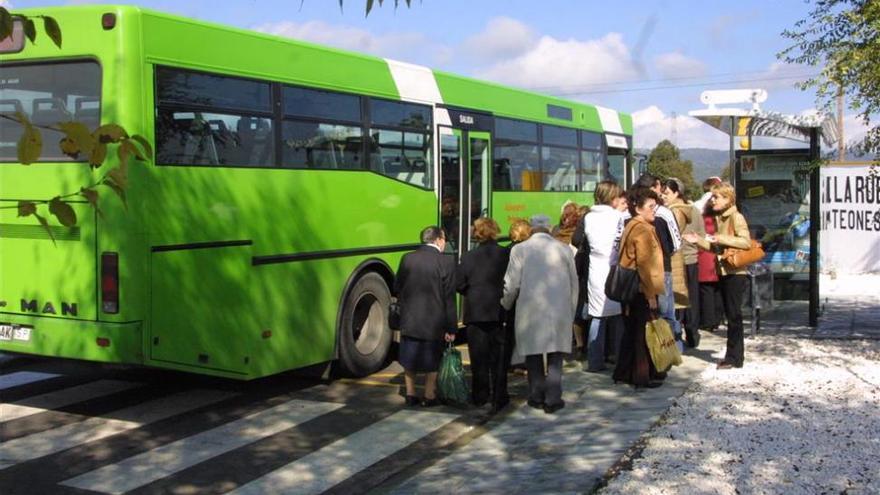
{"points": [[47, 94]]}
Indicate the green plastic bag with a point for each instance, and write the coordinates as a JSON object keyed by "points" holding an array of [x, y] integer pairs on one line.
{"points": [[451, 384]]}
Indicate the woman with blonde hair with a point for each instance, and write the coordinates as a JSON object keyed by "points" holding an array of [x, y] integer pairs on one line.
{"points": [[480, 279], [602, 229], [732, 232]]}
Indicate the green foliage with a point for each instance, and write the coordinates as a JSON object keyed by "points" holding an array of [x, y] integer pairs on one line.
{"points": [[842, 37], [78, 142], [665, 162]]}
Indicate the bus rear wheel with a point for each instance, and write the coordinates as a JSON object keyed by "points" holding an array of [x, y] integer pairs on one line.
{"points": [[364, 336]]}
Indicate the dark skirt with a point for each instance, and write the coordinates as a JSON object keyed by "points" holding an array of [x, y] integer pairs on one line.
{"points": [[634, 365], [420, 356]]}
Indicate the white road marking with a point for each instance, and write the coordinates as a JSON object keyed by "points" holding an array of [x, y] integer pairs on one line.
{"points": [[174, 457], [345, 457], [61, 398], [23, 378], [74, 434]]}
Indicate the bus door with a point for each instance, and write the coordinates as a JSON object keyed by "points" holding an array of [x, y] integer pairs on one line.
{"points": [[619, 167], [465, 159]]}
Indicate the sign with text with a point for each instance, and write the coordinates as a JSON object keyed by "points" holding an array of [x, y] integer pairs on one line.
{"points": [[850, 237]]}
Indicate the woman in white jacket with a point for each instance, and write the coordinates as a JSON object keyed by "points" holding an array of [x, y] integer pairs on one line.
{"points": [[602, 227]]}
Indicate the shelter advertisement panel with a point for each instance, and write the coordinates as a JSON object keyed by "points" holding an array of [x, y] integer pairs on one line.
{"points": [[850, 236]]}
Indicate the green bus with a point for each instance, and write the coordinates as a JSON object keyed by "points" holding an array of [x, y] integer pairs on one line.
{"points": [[288, 179]]}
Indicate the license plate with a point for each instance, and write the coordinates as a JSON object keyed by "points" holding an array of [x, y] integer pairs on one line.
{"points": [[15, 332]]}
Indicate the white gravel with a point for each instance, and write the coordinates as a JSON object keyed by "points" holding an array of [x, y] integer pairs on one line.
{"points": [[801, 417]]}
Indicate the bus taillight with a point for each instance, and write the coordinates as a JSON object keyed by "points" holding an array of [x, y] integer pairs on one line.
{"points": [[110, 282]]}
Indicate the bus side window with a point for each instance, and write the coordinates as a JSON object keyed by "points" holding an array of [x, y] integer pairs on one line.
{"points": [[88, 111]]}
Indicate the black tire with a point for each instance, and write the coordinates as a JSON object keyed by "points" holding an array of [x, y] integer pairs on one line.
{"points": [[364, 335]]}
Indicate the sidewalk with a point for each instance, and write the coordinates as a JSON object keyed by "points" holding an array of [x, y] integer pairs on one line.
{"points": [[528, 451]]}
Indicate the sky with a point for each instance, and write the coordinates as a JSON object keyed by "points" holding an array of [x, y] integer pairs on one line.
{"points": [[650, 58]]}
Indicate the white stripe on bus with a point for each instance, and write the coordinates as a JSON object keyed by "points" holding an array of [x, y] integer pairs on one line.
{"points": [[71, 435], [333, 464], [174, 457], [23, 378], [610, 120], [61, 398]]}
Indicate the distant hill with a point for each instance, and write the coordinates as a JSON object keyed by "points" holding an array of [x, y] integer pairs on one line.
{"points": [[707, 162]]}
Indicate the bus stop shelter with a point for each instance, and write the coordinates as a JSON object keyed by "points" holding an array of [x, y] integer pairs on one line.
{"points": [[777, 187]]}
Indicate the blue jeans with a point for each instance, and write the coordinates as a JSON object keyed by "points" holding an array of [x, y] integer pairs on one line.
{"points": [[666, 307], [596, 340]]}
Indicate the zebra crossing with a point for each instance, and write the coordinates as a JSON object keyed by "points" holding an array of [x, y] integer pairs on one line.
{"points": [[210, 440]]}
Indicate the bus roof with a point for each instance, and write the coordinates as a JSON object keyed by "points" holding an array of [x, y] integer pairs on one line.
{"points": [[373, 78]]}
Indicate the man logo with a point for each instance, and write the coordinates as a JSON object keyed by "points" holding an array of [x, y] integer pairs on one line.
{"points": [[67, 309]]}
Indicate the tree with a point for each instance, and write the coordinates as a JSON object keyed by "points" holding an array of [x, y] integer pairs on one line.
{"points": [[79, 142], [842, 37], [665, 162]]}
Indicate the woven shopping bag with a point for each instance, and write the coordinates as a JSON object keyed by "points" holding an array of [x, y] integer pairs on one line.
{"points": [[661, 345]]}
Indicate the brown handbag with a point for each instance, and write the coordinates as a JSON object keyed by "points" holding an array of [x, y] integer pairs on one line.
{"points": [[741, 258]]}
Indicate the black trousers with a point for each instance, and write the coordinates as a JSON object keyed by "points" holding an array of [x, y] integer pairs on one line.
{"points": [[489, 348], [692, 314], [711, 304], [634, 364], [547, 390], [733, 289]]}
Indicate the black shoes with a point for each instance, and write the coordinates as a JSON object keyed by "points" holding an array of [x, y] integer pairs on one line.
{"points": [[726, 365], [496, 408], [431, 402], [535, 404], [552, 408], [412, 400]]}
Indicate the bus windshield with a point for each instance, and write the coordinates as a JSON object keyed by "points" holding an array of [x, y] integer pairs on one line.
{"points": [[47, 94]]}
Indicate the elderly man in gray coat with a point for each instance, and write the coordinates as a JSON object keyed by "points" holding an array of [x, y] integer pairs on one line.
{"points": [[542, 280]]}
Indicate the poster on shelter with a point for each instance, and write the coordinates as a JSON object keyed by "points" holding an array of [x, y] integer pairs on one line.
{"points": [[773, 193], [850, 208]]}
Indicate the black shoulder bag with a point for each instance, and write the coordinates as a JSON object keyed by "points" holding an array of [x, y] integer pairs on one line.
{"points": [[622, 283]]}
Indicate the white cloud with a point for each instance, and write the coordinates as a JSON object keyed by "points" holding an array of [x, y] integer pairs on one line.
{"points": [[6, 3], [651, 125], [502, 38], [406, 46], [566, 65], [676, 64]]}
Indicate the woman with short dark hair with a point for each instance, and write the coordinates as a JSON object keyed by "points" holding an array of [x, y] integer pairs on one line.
{"points": [[640, 250]]}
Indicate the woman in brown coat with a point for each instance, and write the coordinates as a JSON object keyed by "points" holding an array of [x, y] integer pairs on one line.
{"points": [[732, 232], [640, 250]]}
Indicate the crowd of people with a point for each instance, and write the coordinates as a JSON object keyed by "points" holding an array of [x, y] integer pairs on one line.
{"points": [[541, 300]]}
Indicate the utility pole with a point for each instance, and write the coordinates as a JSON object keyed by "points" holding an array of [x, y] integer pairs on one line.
{"points": [[841, 142]]}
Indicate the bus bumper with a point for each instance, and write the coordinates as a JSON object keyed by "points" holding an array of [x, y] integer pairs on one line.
{"points": [[88, 340]]}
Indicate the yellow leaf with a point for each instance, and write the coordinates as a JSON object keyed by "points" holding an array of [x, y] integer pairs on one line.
{"points": [[69, 147], [30, 146], [79, 133], [98, 155], [110, 133]]}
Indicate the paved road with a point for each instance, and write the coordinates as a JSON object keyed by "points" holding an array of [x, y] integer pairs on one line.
{"points": [[70, 427]]}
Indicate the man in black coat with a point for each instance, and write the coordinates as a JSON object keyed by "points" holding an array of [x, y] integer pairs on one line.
{"points": [[425, 288], [480, 279]]}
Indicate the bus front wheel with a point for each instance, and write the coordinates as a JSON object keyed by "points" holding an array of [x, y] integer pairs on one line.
{"points": [[364, 336]]}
